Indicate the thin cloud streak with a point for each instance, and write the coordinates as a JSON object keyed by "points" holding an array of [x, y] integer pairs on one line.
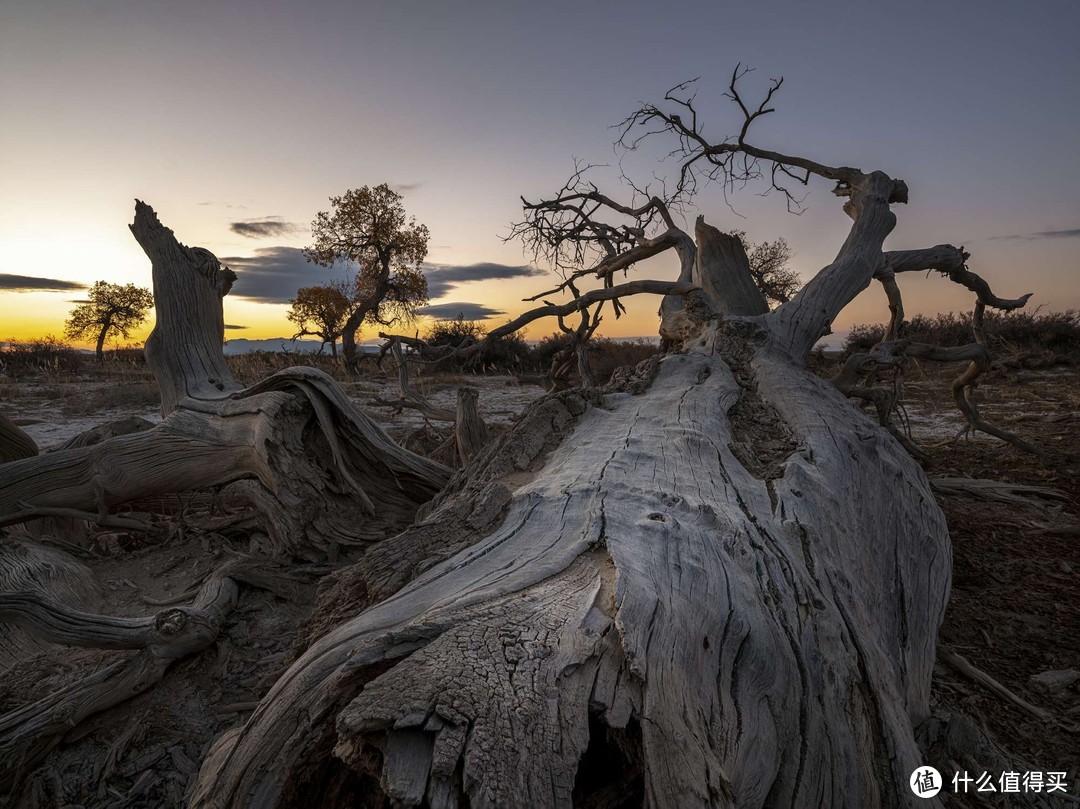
{"points": [[444, 278], [32, 283], [265, 228], [273, 274], [1073, 233], [464, 310]]}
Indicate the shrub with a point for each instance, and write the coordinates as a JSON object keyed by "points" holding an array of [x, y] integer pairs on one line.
{"points": [[1054, 332], [455, 332], [48, 355]]}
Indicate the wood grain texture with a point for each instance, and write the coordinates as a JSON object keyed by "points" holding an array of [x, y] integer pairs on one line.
{"points": [[774, 638]]}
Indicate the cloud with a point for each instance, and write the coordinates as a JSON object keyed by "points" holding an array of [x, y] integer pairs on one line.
{"points": [[230, 326], [1074, 233], [405, 188], [452, 311], [265, 228], [274, 274], [443, 278], [31, 283]]}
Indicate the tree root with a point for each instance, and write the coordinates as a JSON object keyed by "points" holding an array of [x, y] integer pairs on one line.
{"points": [[14, 443], [29, 733], [961, 665], [995, 490]]}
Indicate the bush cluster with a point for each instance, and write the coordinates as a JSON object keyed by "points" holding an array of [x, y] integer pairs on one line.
{"points": [[1057, 333], [48, 356]]}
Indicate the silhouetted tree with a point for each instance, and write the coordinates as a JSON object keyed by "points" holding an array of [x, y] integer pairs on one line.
{"points": [[110, 309], [369, 227], [321, 311], [769, 269]]}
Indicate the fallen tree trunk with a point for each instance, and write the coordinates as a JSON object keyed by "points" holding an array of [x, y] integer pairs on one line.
{"points": [[726, 588], [646, 585]]}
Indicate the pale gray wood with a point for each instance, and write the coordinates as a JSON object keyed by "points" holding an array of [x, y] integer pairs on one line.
{"points": [[722, 270], [644, 530]]}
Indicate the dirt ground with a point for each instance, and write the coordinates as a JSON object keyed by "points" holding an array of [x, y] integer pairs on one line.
{"points": [[1014, 610]]}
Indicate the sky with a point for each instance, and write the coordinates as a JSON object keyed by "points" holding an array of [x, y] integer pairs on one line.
{"points": [[237, 121]]}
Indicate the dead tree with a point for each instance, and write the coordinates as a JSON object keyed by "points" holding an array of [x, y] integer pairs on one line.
{"points": [[320, 472], [714, 582], [726, 588]]}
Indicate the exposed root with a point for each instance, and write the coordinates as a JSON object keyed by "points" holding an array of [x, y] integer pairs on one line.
{"points": [[996, 490], [961, 665], [27, 566], [29, 733], [14, 443]]}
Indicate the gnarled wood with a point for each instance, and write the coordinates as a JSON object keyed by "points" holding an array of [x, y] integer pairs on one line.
{"points": [[27, 734], [326, 473], [27, 566], [594, 585], [722, 270], [184, 348], [14, 443]]}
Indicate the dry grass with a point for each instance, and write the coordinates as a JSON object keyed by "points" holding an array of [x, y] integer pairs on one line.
{"points": [[1054, 336]]}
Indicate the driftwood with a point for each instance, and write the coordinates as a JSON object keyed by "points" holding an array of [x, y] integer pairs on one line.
{"points": [[1000, 491], [409, 397], [963, 666], [27, 734]]}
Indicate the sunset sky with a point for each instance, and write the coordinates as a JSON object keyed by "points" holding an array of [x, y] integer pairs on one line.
{"points": [[238, 120]]}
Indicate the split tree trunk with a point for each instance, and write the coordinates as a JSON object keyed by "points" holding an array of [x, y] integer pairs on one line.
{"points": [[724, 591], [320, 471]]}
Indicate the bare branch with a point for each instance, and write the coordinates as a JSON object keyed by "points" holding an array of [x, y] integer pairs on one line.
{"points": [[952, 262], [570, 231], [732, 160]]}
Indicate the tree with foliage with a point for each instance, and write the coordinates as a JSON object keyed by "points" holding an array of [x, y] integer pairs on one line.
{"points": [[110, 310], [368, 227], [321, 311], [769, 269]]}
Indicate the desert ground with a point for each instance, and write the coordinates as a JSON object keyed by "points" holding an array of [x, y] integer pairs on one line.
{"points": [[1013, 612]]}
